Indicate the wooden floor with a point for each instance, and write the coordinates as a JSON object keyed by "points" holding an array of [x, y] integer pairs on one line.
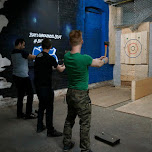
{"points": [[108, 96], [140, 107]]}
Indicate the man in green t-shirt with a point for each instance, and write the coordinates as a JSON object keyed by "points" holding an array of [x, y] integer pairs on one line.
{"points": [[77, 97]]}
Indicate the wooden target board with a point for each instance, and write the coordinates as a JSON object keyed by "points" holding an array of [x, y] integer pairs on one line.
{"points": [[134, 48]]}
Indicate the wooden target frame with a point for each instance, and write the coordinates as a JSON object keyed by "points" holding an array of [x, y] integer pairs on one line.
{"points": [[134, 48]]}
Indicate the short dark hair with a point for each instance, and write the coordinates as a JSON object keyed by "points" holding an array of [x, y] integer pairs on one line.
{"points": [[46, 43], [20, 40]]}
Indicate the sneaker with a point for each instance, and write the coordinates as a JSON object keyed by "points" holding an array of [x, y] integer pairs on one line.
{"points": [[69, 147], [31, 116], [54, 133], [21, 116], [41, 129]]}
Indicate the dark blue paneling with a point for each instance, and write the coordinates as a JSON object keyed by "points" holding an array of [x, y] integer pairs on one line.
{"points": [[92, 34], [92, 20], [93, 40]]}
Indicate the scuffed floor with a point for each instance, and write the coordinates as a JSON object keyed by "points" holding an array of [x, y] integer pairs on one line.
{"points": [[17, 135]]}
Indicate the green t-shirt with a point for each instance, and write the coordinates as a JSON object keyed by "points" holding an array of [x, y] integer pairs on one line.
{"points": [[77, 70]]}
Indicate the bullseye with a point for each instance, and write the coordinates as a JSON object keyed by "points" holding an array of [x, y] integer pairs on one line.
{"points": [[133, 48]]}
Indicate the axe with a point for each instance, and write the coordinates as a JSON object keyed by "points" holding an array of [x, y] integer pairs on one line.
{"points": [[106, 45]]}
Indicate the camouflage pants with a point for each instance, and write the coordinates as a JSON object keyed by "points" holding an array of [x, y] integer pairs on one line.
{"points": [[79, 104]]}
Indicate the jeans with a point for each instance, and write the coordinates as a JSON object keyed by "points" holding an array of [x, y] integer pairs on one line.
{"points": [[24, 87], [46, 100]]}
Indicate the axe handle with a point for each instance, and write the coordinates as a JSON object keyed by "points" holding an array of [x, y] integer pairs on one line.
{"points": [[105, 50]]}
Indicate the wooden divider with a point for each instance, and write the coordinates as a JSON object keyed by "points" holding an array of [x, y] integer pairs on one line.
{"points": [[141, 88]]}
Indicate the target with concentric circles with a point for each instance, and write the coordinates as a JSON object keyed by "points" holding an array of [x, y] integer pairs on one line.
{"points": [[133, 48]]}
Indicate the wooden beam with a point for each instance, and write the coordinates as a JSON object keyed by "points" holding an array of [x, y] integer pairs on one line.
{"points": [[126, 84], [133, 72], [141, 88], [143, 27], [112, 34]]}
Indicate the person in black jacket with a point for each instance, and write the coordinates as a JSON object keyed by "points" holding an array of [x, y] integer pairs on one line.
{"points": [[43, 83]]}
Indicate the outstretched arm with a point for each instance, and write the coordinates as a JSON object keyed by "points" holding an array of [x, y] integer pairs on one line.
{"points": [[99, 62]]}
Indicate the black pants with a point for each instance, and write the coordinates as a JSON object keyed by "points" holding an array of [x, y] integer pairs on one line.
{"points": [[46, 100], [24, 87]]}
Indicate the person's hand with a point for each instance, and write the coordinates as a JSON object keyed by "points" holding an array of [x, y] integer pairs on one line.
{"points": [[102, 57], [61, 68], [105, 60], [62, 65]]}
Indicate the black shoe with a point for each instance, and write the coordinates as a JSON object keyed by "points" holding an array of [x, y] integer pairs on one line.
{"points": [[21, 116], [54, 133], [31, 116], [69, 147], [40, 129]]}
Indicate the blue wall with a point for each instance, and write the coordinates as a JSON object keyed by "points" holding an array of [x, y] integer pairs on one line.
{"points": [[94, 46], [67, 15]]}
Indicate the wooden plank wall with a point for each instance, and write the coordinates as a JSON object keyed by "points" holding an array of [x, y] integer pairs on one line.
{"points": [[134, 48], [112, 34], [113, 11], [143, 27], [135, 68], [133, 72], [141, 88]]}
